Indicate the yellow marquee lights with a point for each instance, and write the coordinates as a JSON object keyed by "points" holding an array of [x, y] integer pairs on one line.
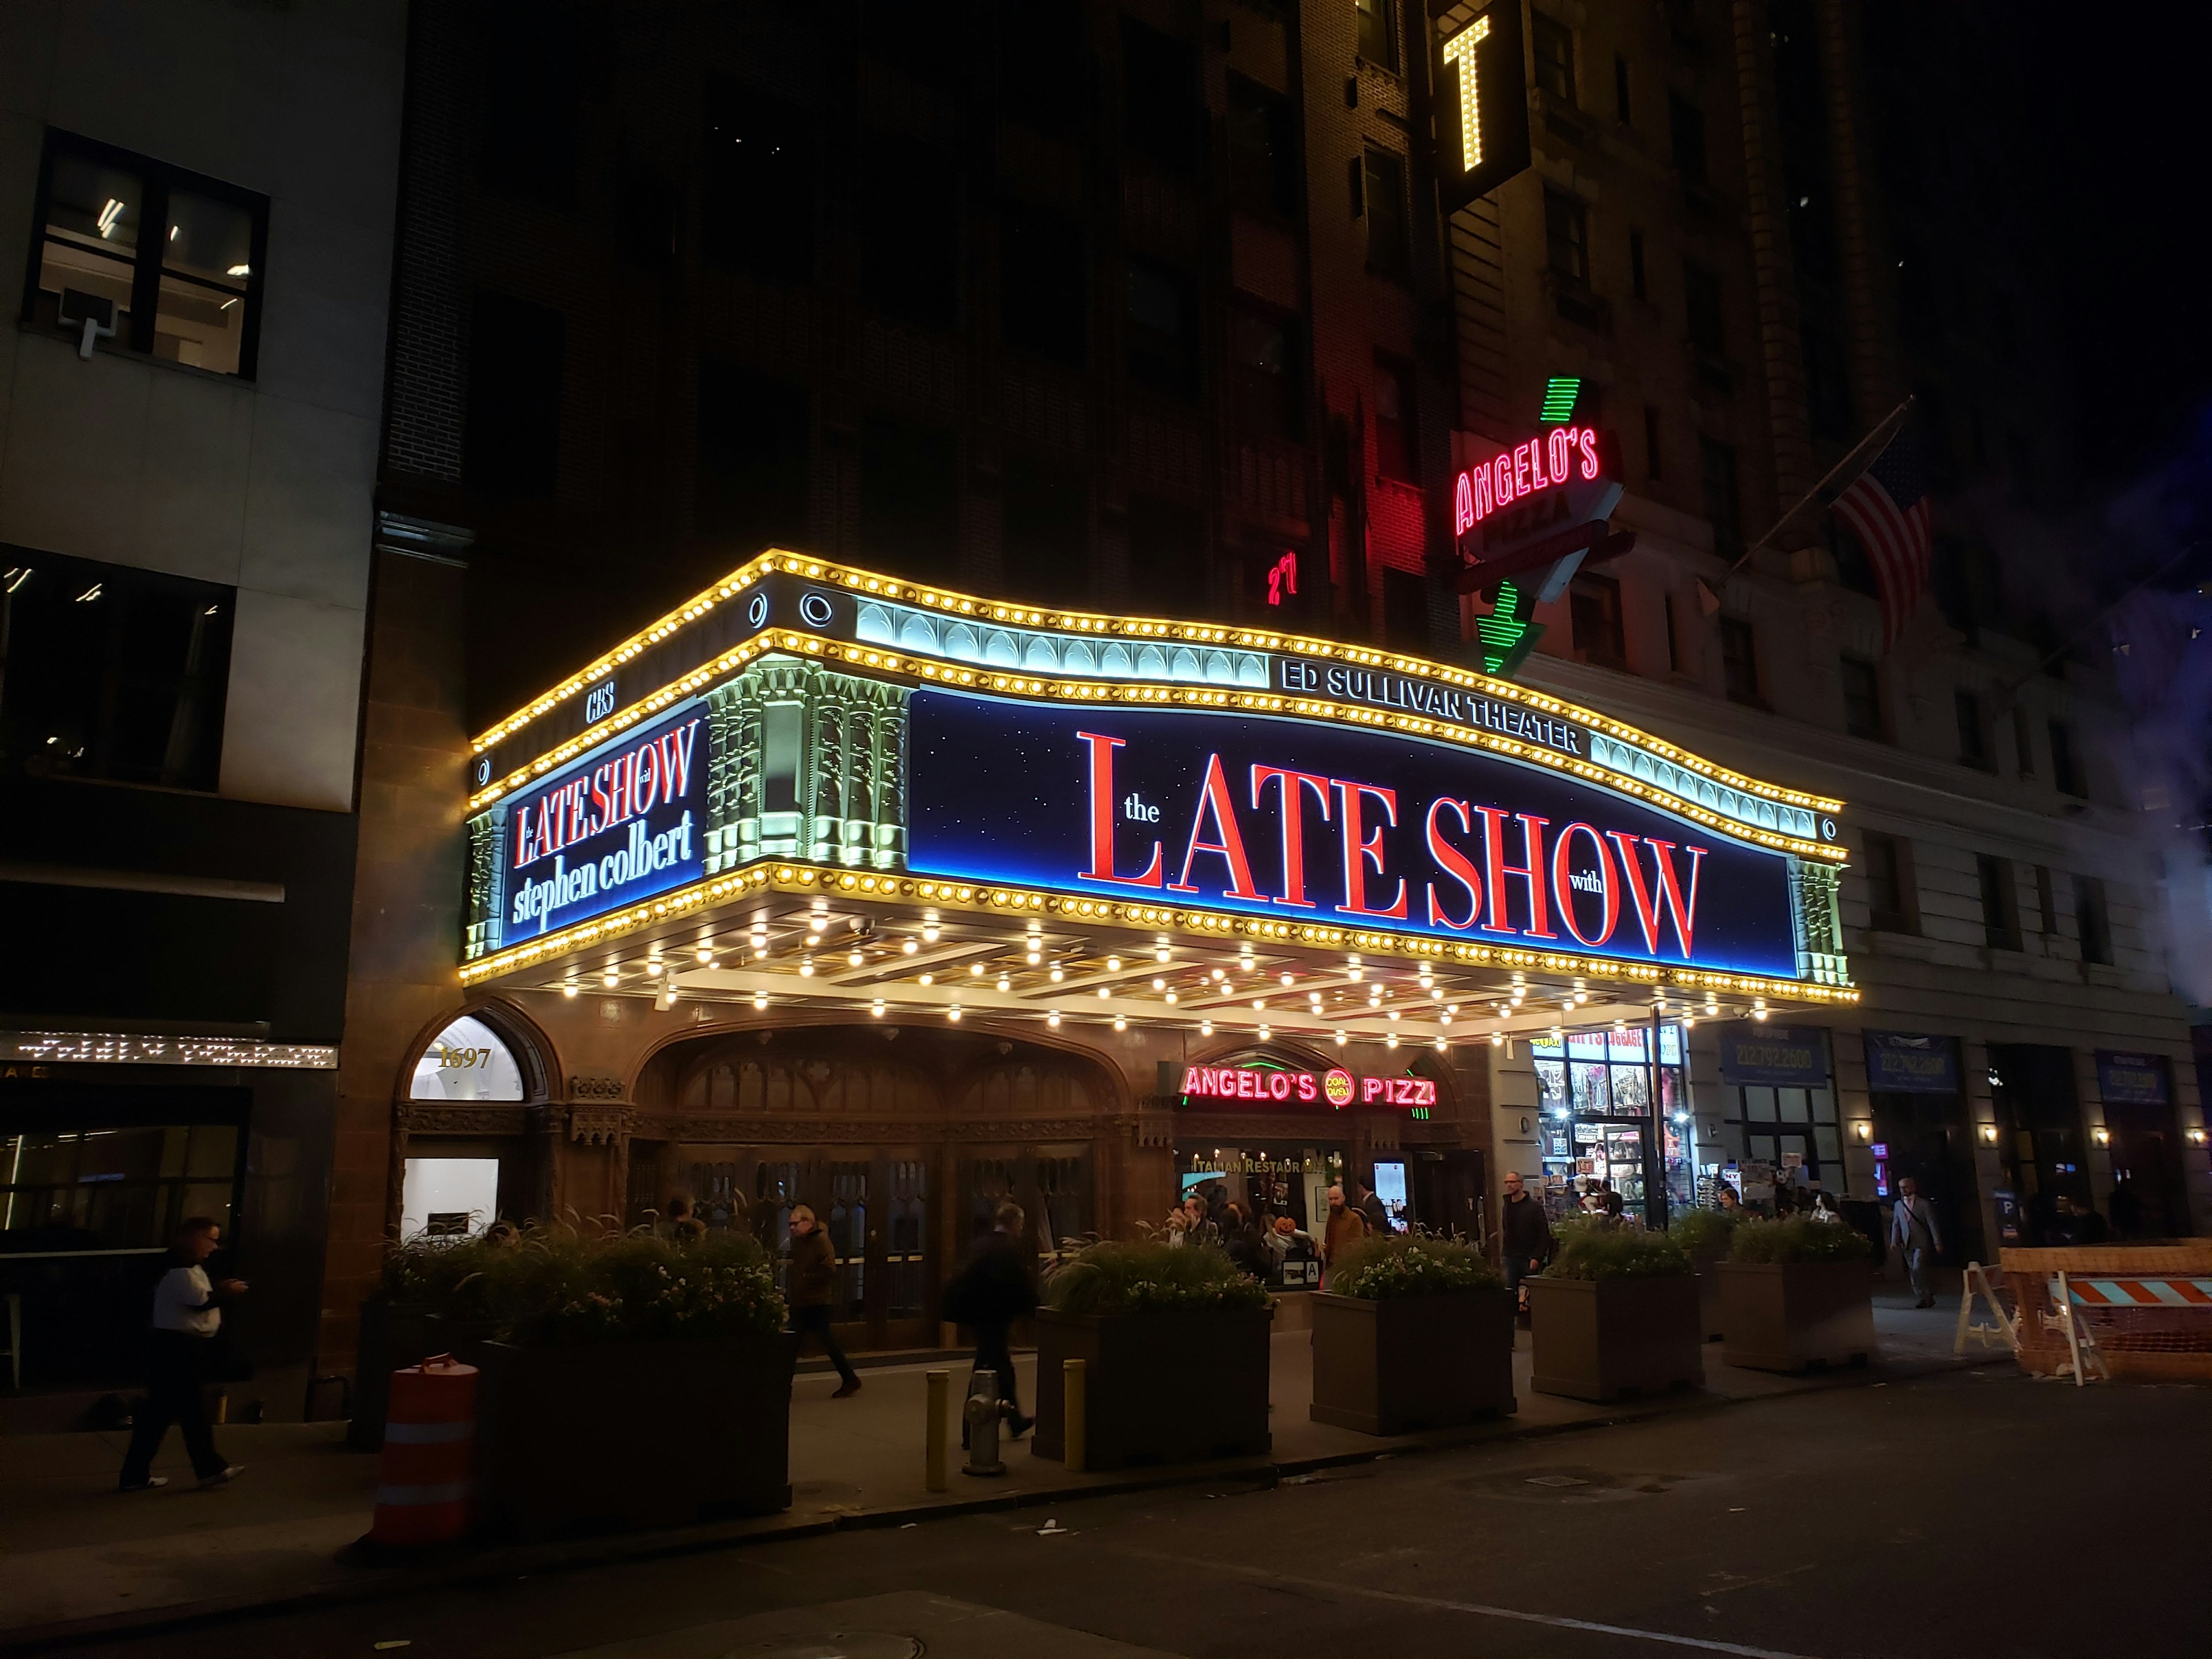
{"points": [[985, 900], [889, 589]]}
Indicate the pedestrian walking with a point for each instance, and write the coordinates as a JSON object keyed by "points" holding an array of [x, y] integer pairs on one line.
{"points": [[1372, 1213], [811, 1287], [1525, 1237], [988, 1294], [187, 1313], [1913, 1229], [1344, 1226]]}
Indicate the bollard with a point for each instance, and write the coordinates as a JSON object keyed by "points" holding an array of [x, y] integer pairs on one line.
{"points": [[940, 1391], [983, 1418], [1072, 1399]]}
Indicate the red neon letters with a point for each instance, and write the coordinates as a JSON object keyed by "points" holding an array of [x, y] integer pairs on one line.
{"points": [[1544, 461], [1338, 1089], [628, 786]]}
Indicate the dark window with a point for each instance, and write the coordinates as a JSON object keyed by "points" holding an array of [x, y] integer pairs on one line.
{"points": [[1828, 384], [909, 498], [1263, 150], [1636, 282], [1405, 610], [511, 436], [1167, 555], [1566, 238], [1045, 534], [1397, 430], [2000, 901], [1159, 84], [529, 103], [1724, 504], [1046, 76], [1044, 285], [1738, 660], [1892, 901], [1555, 56], [1702, 309], [1378, 32], [1685, 126], [111, 672], [1621, 98], [1163, 330], [2091, 920], [751, 480], [1974, 731], [757, 185], [910, 239], [2023, 741], [2047, 905], [1594, 609], [1652, 467], [1861, 699], [2065, 770], [1263, 360], [187, 292], [1385, 202], [1674, 637]]}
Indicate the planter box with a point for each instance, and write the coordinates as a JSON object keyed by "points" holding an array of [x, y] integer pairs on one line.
{"points": [[1415, 1362], [633, 1434], [1598, 1338], [392, 1337], [1785, 1316], [1708, 1263], [1159, 1388]]}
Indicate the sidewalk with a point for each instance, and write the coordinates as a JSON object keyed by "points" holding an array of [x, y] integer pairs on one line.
{"points": [[76, 1555]]}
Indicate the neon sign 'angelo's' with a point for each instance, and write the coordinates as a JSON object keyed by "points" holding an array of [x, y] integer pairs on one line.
{"points": [[1542, 463]]}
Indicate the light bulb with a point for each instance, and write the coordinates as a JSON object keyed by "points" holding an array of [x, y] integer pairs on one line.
{"points": [[569, 989], [1113, 964], [760, 1000], [953, 1013], [910, 947], [1120, 1024], [1058, 974], [855, 959], [1004, 984], [1206, 1028], [1052, 1018], [929, 979]]}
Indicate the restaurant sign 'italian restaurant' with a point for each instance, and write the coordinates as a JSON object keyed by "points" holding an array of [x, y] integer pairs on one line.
{"points": [[833, 888]]}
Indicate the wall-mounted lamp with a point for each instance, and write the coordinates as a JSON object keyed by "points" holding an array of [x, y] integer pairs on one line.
{"points": [[2104, 1136], [1862, 1128], [2197, 1137], [1990, 1133]]}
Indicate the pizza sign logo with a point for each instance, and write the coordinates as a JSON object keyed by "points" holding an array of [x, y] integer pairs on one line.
{"points": [[1338, 1086]]}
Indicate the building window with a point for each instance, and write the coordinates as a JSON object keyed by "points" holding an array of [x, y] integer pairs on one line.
{"points": [[1263, 150], [1566, 238], [1765, 1125], [2047, 903], [1397, 430], [1263, 357], [1044, 532], [111, 671], [757, 185], [1674, 637], [1723, 503], [2000, 901], [113, 1183], [1378, 32], [1653, 467], [751, 480], [1044, 286], [1621, 103], [910, 239], [152, 257], [1974, 731], [2091, 920], [1405, 610], [1739, 661], [1555, 56], [2023, 741], [1685, 126], [511, 427], [1593, 612], [1595, 1105], [1167, 555], [1861, 699], [1160, 114], [909, 498], [1703, 312], [1892, 899], [2065, 770], [1637, 284], [1163, 330], [528, 101], [1383, 195]]}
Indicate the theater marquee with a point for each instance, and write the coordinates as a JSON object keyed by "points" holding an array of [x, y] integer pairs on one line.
{"points": [[804, 722]]}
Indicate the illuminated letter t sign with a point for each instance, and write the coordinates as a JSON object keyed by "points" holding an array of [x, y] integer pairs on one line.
{"points": [[1460, 50], [1478, 51]]}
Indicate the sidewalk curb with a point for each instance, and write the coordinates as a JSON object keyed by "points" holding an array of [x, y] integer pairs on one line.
{"points": [[509, 1561]]}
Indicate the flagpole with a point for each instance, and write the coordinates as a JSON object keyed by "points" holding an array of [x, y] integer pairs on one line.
{"points": [[2009, 694], [1884, 430]]}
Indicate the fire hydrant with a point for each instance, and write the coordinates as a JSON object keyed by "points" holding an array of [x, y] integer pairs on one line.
{"points": [[981, 1413]]}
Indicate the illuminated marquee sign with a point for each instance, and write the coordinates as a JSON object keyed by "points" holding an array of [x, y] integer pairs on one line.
{"points": [[1482, 99], [1336, 1087]]}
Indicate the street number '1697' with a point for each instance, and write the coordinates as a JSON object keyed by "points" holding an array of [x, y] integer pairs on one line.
{"points": [[455, 1059]]}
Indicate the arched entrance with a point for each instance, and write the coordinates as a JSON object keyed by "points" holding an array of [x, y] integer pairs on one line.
{"points": [[902, 1140], [471, 1089]]}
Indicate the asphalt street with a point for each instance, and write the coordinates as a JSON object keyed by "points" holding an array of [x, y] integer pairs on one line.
{"points": [[1972, 1513]]}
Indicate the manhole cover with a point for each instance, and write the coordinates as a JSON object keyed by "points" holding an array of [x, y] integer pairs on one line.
{"points": [[838, 1644]]}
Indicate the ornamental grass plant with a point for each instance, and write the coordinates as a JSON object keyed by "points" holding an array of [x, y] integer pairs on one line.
{"points": [[1384, 1266], [1706, 1231], [1603, 1248], [1797, 1238], [1150, 1276]]}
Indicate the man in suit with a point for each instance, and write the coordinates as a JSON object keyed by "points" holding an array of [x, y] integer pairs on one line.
{"points": [[988, 1295], [1913, 1229]]}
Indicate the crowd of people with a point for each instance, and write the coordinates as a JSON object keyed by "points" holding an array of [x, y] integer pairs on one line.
{"points": [[1265, 1243]]}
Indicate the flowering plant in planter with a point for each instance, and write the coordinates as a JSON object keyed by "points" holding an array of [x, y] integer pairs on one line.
{"points": [[1146, 1276], [1382, 1267], [1797, 1238], [1414, 1331], [1598, 1249], [1704, 1230]]}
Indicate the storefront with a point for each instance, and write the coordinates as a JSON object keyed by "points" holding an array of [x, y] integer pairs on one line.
{"points": [[834, 890]]}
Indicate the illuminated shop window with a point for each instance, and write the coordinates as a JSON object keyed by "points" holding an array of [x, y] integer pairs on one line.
{"points": [[467, 1061]]}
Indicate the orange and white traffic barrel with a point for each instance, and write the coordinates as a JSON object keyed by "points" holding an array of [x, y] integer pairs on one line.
{"points": [[426, 1488]]}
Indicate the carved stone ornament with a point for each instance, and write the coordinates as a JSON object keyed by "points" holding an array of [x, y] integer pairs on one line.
{"points": [[755, 1131], [1156, 1120], [600, 1126], [434, 1118], [595, 1087]]}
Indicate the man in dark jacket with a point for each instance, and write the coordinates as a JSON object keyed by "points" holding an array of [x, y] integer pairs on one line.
{"points": [[988, 1295], [811, 1288], [1526, 1234], [1371, 1210]]}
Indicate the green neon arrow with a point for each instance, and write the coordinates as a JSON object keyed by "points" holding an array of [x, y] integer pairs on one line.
{"points": [[1561, 392], [1508, 635]]}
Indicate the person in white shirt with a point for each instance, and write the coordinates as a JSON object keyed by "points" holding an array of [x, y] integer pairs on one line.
{"points": [[187, 1313]]}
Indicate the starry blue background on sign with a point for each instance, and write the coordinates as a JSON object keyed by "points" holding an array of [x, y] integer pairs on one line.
{"points": [[1001, 790]]}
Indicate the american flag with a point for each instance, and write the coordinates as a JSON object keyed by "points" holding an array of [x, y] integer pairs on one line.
{"points": [[1886, 508]]}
